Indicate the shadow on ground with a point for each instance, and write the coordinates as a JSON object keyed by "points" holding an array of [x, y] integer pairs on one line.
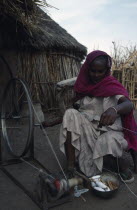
{"points": [[12, 198]]}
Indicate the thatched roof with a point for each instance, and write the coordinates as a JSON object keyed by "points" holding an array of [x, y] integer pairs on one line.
{"points": [[43, 33], [21, 8]]}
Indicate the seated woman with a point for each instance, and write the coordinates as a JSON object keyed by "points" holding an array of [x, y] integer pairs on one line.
{"points": [[95, 132]]}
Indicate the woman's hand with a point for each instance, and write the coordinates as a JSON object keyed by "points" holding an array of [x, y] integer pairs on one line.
{"points": [[123, 107], [76, 106], [108, 117]]}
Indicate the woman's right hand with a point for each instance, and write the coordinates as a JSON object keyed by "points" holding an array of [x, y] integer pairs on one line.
{"points": [[108, 117]]}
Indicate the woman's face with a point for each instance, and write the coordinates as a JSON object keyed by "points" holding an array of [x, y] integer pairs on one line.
{"points": [[97, 71]]}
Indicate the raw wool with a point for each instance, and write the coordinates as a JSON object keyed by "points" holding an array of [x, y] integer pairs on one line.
{"points": [[68, 82], [39, 113], [43, 71], [65, 93]]}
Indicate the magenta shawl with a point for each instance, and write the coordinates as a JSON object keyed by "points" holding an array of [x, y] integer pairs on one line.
{"points": [[109, 86]]}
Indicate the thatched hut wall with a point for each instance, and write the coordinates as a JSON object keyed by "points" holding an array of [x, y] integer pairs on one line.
{"points": [[42, 71], [8, 68], [41, 52], [128, 77]]}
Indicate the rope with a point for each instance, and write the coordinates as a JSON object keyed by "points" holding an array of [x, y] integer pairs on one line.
{"points": [[124, 181], [135, 132], [49, 142], [121, 178], [40, 170]]}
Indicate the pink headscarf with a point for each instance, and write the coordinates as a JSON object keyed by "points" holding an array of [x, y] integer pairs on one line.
{"points": [[109, 86]]}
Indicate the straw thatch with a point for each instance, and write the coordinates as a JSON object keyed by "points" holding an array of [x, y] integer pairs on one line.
{"points": [[127, 75], [42, 51], [41, 34], [131, 60], [22, 11]]}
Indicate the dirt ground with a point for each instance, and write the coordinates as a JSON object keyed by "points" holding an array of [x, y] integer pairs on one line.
{"points": [[13, 198]]}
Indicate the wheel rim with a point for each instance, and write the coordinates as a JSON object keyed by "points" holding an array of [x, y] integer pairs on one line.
{"points": [[17, 128]]}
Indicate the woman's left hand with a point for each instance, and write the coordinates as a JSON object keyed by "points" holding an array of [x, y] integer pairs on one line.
{"points": [[108, 117]]}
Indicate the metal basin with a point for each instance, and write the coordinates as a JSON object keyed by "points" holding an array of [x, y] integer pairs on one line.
{"points": [[107, 177]]}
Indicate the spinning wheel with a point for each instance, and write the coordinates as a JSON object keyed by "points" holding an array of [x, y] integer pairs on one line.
{"points": [[17, 118]]}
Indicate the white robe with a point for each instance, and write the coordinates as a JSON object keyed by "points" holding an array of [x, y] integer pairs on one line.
{"points": [[92, 143]]}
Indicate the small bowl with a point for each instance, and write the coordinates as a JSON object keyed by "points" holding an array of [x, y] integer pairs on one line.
{"points": [[107, 177]]}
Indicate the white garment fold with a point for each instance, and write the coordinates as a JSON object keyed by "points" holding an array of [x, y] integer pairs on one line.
{"points": [[90, 142]]}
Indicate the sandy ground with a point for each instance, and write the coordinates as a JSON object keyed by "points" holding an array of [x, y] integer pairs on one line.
{"points": [[13, 198]]}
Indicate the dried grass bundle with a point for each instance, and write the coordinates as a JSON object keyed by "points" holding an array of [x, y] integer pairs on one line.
{"points": [[23, 11]]}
